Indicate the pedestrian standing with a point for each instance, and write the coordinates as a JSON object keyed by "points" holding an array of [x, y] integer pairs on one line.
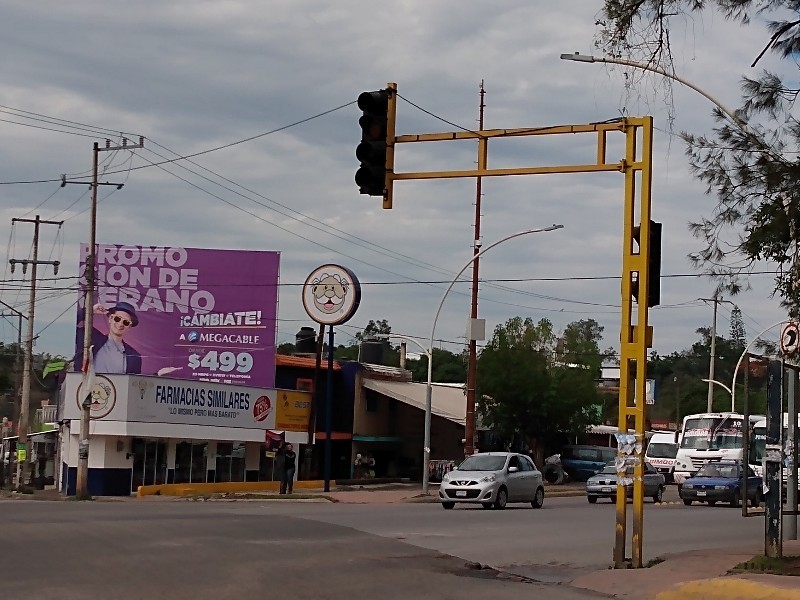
{"points": [[289, 466]]}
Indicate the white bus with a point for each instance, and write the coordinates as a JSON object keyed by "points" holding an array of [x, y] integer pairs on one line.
{"points": [[708, 436], [758, 443]]}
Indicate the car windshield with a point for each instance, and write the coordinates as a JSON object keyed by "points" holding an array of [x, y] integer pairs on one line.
{"points": [[662, 450], [716, 470], [482, 463]]}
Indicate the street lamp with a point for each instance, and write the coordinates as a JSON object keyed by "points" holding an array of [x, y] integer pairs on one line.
{"points": [[428, 389], [585, 58], [744, 353], [720, 384]]}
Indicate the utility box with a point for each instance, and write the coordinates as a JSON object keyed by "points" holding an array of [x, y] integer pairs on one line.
{"points": [[476, 329]]}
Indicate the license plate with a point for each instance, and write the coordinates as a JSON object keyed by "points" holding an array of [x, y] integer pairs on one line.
{"points": [[461, 493], [701, 493], [606, 490]]}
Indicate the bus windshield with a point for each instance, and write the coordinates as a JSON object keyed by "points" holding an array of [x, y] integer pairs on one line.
{"points": [[706, 433]]}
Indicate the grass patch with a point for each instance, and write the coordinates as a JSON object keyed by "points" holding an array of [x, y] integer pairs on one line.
{"points": [[785, 565]]}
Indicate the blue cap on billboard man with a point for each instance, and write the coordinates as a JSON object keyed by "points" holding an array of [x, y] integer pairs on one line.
{"points": [[125, 307]]}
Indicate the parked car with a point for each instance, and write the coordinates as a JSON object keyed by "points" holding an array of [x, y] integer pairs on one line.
{"points": [[581, 462], [721, 481], [604, 484], [493, 479]]}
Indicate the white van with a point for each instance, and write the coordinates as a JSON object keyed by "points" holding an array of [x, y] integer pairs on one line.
{"points": [[661, 452]]}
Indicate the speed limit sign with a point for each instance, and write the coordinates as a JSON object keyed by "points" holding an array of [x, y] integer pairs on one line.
{"points": [[790, 338]]}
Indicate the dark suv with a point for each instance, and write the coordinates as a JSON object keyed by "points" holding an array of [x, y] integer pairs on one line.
{"points": [[581, 462]]}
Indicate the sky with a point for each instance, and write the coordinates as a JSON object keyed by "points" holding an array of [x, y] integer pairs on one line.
{"points": [[264, 95]]}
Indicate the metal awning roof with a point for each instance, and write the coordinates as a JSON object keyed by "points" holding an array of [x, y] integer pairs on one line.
{"points": [[447, 401]]}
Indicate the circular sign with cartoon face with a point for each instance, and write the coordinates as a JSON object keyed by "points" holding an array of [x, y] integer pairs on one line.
{"points": [[104, 397], [331, 294]]}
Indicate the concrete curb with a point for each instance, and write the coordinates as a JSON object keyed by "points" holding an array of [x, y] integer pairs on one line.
{"points": [[731, 588]]}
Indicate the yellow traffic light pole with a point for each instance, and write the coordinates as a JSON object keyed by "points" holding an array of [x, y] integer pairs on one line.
{"points": [[636, 334]]}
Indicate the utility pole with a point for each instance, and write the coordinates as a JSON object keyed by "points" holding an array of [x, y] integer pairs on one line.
{"points": [[716, 300], [22, 442], [81, 486], [469, 426]]}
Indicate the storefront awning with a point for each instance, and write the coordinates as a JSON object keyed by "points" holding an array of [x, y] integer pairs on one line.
{"points": [[449, 402]]}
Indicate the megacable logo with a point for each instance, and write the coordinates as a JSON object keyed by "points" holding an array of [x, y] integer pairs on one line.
{"points": [[262, 408]]}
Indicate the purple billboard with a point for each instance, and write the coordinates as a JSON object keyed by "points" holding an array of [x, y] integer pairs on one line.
{"points": [[187, 313]]}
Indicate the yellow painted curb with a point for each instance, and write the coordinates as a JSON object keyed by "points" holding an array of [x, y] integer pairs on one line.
{"points": [[195, 489], [727, 589]]}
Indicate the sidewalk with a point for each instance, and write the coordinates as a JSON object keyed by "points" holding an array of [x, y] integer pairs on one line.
{"points": [[700, 575]]}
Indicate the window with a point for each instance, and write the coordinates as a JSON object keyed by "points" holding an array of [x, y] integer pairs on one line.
{"points": [[526, 464], [230, 461], [190, 462], [514, 462]]}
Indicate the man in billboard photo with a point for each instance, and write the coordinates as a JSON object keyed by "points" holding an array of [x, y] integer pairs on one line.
{"points": [[112, 354]]}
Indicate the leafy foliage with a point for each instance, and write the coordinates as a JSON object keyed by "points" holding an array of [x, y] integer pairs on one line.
{"points": [[535, 388], [751, 162]]}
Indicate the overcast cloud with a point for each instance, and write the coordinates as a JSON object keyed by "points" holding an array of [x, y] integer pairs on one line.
{"points": [[191, 76]]}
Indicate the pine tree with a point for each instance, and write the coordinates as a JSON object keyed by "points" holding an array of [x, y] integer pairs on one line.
{"points": [[738, 334]]}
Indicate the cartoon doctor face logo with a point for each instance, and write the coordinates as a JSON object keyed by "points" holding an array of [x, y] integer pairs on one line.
{"points": [[103, 397], [331, 294]]}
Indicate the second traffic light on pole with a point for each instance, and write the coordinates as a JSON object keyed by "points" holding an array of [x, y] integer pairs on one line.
{"points": [[653, 296], [376, 150]]}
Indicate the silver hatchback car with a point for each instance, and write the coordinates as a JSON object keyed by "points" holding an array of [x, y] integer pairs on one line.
{"points": [[493, 479]]}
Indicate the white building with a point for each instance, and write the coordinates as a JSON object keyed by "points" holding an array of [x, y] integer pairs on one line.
{"points": [[154, 430]]}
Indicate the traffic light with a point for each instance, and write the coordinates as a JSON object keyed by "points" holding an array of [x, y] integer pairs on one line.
{"points": [[376, 150], [653, 265]]}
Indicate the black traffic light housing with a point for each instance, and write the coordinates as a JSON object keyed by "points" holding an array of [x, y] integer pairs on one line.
{"points": [[376, 152], [653, 265]]}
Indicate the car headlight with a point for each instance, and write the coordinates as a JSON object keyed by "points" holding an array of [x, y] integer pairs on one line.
{"points": [[446, 477], [688, 485], [720, 487], [487, 479]]}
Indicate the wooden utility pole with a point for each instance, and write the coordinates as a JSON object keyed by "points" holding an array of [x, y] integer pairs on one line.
{"points": [[469, 428], [22, 443], [81, 486]]}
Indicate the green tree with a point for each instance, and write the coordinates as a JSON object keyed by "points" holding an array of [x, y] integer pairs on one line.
{"points": [[738, 333], [448, 367], [537, 389], [752, 163], [285, 348], [373, 329]]}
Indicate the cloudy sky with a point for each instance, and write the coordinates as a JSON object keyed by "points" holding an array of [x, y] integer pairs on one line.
{"points": [[281, 77]]}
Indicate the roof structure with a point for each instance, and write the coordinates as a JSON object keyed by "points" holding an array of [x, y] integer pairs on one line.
{"points": [[447, 401]]}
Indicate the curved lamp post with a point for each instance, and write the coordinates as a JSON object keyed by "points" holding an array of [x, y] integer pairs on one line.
{"points": [[722, 385], [429, 352], [585, 58], [741, 358]]}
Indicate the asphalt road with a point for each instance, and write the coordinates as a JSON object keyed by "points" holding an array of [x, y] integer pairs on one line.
{"points": [[562, 540], [204, 550]]}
